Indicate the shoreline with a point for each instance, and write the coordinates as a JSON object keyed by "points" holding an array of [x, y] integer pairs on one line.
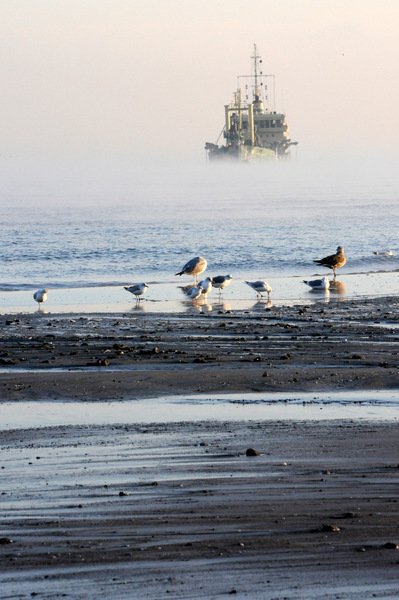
{"points": [[168, 296]]}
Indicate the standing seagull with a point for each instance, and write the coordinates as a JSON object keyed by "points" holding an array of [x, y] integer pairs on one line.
{"points": [[41, 296], [318, 284], [334, 261], [138, 289], [194, 267], [259, 287], [206, 285], [221, 281]]}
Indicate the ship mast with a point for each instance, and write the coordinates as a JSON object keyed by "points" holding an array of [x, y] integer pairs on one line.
{"points": [[256, 58]]}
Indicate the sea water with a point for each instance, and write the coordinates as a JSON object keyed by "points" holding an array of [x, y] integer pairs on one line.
{"points": [[252, 221]]}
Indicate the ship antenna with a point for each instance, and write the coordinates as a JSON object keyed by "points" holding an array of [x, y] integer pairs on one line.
{"points": [[255, 58]]}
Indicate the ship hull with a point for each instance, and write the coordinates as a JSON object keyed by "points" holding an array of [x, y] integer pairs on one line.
{"points": [[242, 153]]}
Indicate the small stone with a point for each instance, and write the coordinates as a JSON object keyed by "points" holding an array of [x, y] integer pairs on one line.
{"points": [[391, 546], [330, 528], [252, 452]]}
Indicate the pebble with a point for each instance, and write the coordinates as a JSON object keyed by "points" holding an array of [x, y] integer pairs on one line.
{"points": [[330, 528], [391, 546], [252, 452]]}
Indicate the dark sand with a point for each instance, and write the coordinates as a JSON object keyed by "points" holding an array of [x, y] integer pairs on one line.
{"points": [[178, 510], [345, 345]]}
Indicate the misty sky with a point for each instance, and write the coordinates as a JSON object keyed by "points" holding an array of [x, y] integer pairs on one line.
{"points": [[81, 77]]}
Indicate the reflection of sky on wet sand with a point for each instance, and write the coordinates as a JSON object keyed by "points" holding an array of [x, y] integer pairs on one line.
{"points": [[370, 405], [169, 297]]}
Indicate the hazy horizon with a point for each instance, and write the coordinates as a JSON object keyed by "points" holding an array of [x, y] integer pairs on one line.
{"points": [[127, 78]]}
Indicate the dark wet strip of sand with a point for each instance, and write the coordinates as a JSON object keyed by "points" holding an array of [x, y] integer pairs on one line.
{"points": [[350, 345]]}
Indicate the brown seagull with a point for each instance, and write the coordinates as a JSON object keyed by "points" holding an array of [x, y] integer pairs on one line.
{"points": [[334, 261]]}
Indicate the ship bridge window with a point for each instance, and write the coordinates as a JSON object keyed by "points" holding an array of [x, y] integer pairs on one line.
{"points": [[279, 123], [273, 123]]}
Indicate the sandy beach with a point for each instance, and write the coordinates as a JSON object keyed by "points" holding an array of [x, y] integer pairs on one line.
{"points": [[178, 509], [352, 344]]}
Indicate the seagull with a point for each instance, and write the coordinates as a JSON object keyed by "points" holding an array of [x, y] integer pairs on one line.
{"points": [[334, 261], [194, 292], [259, 287], [318, 284], [41, 296], [138, 289], [387, 253], [206, 285], [194, 267], [221, 281]]}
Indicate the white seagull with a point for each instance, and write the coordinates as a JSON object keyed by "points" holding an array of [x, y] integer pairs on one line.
{"points": [[41, 295], [221, 281], [194, 267], [194, 292], [259, 287], [318, 284], [206, 285], [138, 289]]}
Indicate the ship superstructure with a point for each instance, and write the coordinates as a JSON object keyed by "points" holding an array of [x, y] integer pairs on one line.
{"points": [[253, 129]]}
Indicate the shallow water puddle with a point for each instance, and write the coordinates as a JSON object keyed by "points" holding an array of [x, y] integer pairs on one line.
{"points": [[365, 405]]}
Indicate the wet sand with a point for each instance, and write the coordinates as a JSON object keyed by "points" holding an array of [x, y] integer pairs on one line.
{"points": [[177, 510], [346, 345], [180, 511]]}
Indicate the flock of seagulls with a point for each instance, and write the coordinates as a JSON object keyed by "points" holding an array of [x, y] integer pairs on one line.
{"points": [[198, 264]]}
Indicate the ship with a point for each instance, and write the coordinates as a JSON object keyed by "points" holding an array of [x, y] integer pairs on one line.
{"points": [[253, 129]]}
